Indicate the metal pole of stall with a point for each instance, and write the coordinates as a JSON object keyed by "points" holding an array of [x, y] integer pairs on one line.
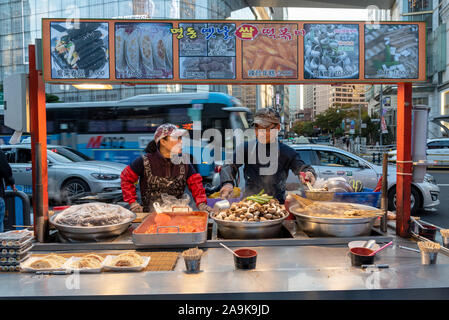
{"points": [[38, 143], [404, 161]]}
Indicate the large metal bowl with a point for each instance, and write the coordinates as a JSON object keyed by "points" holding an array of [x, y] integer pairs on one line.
{"points": [[92, 233], [249, 230], [334, 227]]}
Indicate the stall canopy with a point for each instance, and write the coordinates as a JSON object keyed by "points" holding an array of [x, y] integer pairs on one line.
{"points": [[105, 52]]}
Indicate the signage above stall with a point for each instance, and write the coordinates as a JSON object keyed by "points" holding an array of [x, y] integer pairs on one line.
{"points": [[232, 51]]}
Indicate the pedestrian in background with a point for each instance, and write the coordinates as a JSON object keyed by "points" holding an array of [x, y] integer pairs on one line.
{"points": [[6, 179]]}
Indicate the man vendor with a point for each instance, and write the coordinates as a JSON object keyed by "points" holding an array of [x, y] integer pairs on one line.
{"points": [[267, 126]]}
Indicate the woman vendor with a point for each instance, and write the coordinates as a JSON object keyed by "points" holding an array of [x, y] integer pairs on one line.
{"points": [[158, 174]]}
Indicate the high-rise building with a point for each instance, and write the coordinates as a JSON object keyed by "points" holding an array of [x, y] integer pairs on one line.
{"points": [[332, 96], [308, 96], [20, 25], [295, 98], [321, 98], [246, 94]]}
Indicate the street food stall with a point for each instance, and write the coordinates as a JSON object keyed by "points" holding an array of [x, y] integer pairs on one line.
{"points": [[301, 249]]}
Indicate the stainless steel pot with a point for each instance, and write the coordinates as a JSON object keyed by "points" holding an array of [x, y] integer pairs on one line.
{"points": [[92, 233], [249, 230], [334, 227]]}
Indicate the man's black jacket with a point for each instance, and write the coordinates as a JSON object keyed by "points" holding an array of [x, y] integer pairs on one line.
{"points": [[6, 177]]}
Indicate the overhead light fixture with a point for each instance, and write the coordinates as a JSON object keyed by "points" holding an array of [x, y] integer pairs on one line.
{"points": [[92, 86]]}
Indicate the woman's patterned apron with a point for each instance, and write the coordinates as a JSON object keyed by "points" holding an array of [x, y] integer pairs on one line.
{"points": [[154, 186]]}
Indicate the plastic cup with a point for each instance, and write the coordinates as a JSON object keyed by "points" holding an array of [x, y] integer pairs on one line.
{"points": [[192, 265], [428, 232], [361, 256], [446, 242], [246, 259], [428, 258]]}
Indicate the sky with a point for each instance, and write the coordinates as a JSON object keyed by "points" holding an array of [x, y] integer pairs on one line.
{"points": [[327, 14]]}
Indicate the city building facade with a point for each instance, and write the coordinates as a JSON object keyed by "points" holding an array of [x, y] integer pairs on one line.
{"points": [[20, 25]]}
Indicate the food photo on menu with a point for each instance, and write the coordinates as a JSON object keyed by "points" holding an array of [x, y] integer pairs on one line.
{"points": [[391, 51], [272, 53], [79, 50], [206, 51], [143, 51], [331, 51]]}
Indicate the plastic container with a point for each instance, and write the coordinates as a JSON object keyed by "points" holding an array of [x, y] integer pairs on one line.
{"points": [[192, 265], [428, 231], [446, 242], [361, 256], [15, 239], [211, 202], [428, 258], [17, 254], [246, 259], [367, 197]]}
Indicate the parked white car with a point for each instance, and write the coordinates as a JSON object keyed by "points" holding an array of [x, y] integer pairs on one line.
{"points": [[437, 150], [330, 162]]}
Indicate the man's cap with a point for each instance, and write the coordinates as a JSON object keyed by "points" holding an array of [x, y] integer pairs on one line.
{"points": [[266, 117], [167, 130]]}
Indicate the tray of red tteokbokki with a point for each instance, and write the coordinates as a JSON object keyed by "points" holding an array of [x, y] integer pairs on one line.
{"points": [[172, 228]]}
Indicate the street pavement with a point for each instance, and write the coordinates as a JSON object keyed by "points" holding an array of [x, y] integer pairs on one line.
{"points": [[440, 217]]}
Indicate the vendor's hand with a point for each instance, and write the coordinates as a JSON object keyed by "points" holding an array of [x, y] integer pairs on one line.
{"points": [[309, 176], [14, 188], [226, 191], [204, 207], [135, 207]]}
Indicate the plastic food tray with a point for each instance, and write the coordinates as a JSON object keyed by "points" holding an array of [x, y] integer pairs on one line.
{"points": [[108, 260], [15, 268], [15, 252], [71, 260], [13, 261], [15, 239], [25, 267], [367, 197]]}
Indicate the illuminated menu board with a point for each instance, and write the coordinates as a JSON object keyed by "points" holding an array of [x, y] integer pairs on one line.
{"points": [[226, 52]]}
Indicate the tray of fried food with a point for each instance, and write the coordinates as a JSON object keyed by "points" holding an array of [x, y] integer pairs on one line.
{"points": [[90, 263], [128, 261], [49, 263], [335, 210]]}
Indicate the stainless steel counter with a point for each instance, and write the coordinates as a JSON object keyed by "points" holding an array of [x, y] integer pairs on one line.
{"points": [[283, 272]]}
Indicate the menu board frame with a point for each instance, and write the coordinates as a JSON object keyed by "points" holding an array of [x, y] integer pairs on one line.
{"points": [[298, 35]]}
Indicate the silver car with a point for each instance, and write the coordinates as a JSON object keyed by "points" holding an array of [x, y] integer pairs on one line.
{"points": [[70, 173], [330, 162]]}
